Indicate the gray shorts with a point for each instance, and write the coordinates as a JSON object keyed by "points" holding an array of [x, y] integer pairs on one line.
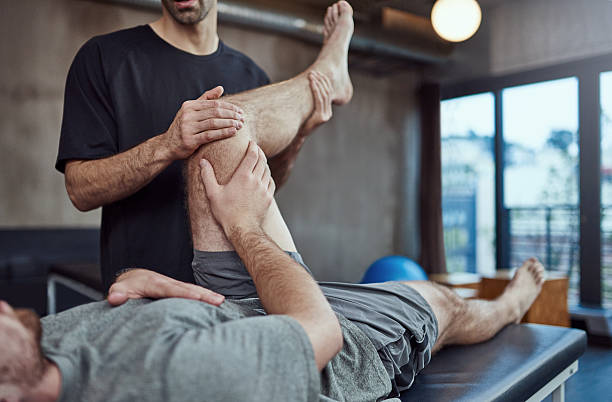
{"points": [[394, 316]]}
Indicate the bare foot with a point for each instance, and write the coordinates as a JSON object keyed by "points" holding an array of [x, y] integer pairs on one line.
{"points": [[524, 287], [333, 58]]}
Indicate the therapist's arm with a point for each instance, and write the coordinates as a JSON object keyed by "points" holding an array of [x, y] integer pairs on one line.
{"points": [[283, 285], [93, 183]]}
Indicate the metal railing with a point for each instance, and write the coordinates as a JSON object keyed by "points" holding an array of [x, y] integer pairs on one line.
{"points": [[552, 234]]}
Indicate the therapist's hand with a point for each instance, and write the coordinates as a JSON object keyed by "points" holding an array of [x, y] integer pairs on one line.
{"points": [[201, 121], [142, 283]]}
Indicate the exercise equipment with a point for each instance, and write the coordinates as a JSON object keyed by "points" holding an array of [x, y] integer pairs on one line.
{"points": [[394, 268]]}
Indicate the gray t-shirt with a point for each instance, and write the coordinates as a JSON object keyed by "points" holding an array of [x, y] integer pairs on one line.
{"points": [[183, 350]]}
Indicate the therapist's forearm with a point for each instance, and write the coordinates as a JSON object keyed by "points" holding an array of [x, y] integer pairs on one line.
{"points": [[94, 183], [285, 287]]}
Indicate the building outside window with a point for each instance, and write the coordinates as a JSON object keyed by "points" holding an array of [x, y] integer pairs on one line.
{"points": [[468, 183], [541, 171]]}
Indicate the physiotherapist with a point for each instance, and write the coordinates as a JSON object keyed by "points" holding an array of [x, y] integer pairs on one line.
{"points": [[137, 103]]}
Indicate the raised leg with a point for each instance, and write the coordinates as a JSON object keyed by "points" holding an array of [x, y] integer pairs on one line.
{"points": [[462, 322], [273, 116], [275, 113]]}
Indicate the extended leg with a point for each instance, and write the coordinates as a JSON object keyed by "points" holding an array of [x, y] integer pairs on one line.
{"points": [[462, 322], [273, 115]]}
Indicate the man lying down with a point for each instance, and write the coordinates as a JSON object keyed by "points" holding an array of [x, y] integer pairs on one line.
{"points": [[211, 349]]}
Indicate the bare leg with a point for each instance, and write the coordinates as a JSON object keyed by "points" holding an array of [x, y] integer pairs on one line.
{"points": [[273, 115], [464, 322]]}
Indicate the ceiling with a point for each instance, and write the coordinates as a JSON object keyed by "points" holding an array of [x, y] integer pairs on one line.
{"points": [[367, 9]]}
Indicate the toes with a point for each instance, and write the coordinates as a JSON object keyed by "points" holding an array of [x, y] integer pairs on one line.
{"points": [[531, 268], [539, 267], [344, 7], [328, 21], [336, 12], [328, 15]]}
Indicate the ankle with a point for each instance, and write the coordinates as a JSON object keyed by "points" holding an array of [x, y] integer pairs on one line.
{"points": [[511, 308]]}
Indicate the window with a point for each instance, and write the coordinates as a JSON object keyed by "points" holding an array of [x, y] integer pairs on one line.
{"points": [[540, 133], [468, 183], [549, 125], [605, 83]]}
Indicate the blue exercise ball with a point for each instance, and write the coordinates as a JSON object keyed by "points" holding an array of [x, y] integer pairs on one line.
{"points": [[394, 268]]}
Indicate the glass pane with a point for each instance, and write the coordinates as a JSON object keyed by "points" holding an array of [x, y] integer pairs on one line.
{"points": [[540, 123], [606, 186], [468, 183]]}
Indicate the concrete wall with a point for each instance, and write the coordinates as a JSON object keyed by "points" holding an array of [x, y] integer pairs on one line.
{"points": [[526, 34], [521, 35], [344, 201]]}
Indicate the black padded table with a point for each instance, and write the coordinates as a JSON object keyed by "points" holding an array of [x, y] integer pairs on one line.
{"points": [[521, 362]]}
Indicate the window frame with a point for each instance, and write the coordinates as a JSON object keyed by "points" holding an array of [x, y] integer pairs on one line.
{"points": [[587, 72]]}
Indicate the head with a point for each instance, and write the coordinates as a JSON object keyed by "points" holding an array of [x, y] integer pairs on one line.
{"points": [[22, 363], [188, 12]]}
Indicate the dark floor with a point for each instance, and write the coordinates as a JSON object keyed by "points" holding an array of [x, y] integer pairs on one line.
{"points": [[593, 381]]}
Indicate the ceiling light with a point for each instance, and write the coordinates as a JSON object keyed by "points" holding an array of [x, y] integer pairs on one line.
{"points": [[456, 20]]}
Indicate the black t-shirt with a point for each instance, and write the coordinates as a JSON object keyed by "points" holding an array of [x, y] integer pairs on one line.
{"points": [[122, 89]]}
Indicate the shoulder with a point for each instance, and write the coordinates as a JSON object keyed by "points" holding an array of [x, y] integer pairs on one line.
{"points": [[112, 47], [122, 39], [247, 63]]}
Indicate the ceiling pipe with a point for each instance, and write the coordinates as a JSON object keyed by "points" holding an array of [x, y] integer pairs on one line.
{"points": [[366, 40]]}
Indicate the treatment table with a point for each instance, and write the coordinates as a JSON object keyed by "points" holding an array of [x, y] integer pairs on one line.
{"points": [[524, 362]]}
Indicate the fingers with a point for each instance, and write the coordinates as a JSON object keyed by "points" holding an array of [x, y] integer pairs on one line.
{"points": [[212, 124], [266, 176], [200, 293], [260, 167], [322, 82], [214, 135], [214, 93], [326, 83], [327, 91], [249, 161], [116, 298], [268, 181], [210, 113], [315, 87], [271, 186], [321, 90], [6, 308], [202, 104], [327, 22], [174, 288], [208, 178]]}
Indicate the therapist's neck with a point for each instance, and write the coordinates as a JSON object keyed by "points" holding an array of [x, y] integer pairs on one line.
{"points": [[49, 387], [200, 38]]}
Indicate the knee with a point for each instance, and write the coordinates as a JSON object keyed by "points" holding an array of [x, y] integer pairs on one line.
{"points": [[223, 155]]}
